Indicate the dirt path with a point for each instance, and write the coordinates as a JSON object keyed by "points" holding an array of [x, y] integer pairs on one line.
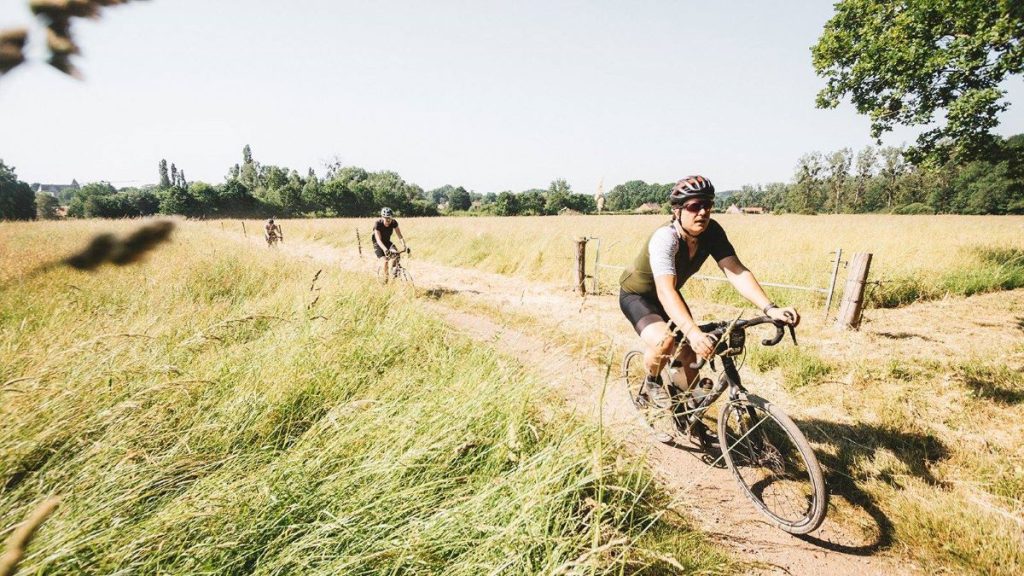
{"points": [[705, 493]]}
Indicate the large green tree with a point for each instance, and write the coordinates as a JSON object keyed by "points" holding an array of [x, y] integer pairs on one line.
{"points": [[458, 199], [507, 204], [902, 62], [17, 202], [46, 206], [629, 195]]}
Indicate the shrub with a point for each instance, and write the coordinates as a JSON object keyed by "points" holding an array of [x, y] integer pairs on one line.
{"points": [[914, 208]]}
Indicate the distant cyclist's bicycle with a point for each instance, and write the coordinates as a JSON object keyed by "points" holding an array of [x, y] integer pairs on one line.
{"points": [[764, 449], [396, 270], [273, 238]]}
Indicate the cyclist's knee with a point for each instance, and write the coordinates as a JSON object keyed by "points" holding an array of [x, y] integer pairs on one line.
{"points": [[653, 335]]}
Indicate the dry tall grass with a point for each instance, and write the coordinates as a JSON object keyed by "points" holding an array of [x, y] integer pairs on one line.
{"points": [[915, 257], [207, 412]]}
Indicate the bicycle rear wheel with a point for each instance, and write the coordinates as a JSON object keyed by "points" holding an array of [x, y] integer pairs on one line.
{"points": [[661, 420], [773, 463]]}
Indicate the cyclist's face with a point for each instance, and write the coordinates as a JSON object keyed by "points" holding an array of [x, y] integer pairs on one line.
{"points": [[387, 220], [697, 221]]}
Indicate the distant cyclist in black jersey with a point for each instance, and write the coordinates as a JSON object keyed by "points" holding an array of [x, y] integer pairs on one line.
{"points": [[382, 245], [272, 232], [649, 288]]}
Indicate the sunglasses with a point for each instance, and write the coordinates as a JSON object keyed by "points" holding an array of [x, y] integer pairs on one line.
{"points": [[698, 205]]}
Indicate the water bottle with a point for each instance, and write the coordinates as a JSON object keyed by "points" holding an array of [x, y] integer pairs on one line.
{"points": [[701, 390]]}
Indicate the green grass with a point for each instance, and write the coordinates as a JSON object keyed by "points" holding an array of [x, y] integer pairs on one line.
{"points": [[933, 449], [201, 414], [799, 366], [992, 269], [1000, 384]]}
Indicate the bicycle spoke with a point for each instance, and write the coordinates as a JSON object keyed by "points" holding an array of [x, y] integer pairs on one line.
{"points": [[769, 465]]}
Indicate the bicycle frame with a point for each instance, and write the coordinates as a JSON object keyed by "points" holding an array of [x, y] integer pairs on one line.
{"points": [[395, 269], [395, 263], [730, 378]]}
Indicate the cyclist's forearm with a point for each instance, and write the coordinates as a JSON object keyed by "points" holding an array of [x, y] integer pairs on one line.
{"points": [[674, 305], [747, 285]]}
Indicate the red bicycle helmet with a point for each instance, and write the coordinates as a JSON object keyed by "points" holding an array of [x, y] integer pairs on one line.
{"points": [[689, 188]]}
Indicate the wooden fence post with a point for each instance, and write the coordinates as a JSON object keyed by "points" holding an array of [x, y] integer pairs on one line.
{"points": [[581, 266], [853, 294]]}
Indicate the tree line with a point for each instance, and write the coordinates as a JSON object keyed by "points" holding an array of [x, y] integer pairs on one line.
{"points": [[884, 180], [253, 189], [874, 179]]}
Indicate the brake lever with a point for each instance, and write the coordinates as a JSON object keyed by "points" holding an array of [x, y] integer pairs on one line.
{"points": [[792, 334]]}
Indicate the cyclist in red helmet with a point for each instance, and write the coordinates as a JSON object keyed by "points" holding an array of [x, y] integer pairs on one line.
{"points": [[649, 289]]}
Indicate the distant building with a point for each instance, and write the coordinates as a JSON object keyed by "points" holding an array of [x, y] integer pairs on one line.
{"points": [[54, 189], [648, 208], [734, 209]]}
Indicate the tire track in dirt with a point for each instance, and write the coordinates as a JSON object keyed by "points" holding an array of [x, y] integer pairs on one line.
{"points": [[706, 494]]}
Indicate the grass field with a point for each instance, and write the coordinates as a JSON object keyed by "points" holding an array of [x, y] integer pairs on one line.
{"points": [[915, 257], [216, 409], [221, 409]]}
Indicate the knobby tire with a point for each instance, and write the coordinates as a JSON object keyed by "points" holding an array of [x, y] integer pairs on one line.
{"points": [[773, 462]]}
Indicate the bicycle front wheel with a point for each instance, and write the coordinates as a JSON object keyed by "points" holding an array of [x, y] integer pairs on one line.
{"points": [[773, 463], [403, 274]]}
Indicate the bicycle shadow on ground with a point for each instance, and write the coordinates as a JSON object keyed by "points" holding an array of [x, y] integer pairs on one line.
{"points": [[711, 456], [439, 293], [858, 443], [903, 336]]}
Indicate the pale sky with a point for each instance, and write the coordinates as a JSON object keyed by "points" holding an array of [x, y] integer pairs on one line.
{"points": [[488, 95]]}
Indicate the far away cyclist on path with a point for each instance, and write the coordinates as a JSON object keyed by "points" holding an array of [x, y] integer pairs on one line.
{"points": [[382, 230], [272, 232], [649, 288]]}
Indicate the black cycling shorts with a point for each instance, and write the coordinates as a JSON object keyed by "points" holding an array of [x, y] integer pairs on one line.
{"points": [[642, 311], [378, 251]]}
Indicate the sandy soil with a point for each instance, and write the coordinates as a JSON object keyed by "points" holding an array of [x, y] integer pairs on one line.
{"points": [[703, 492]]}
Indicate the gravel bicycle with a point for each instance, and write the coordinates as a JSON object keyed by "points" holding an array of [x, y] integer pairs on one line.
{"points": [[765, 451], [273, 237], [396, 271]]}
